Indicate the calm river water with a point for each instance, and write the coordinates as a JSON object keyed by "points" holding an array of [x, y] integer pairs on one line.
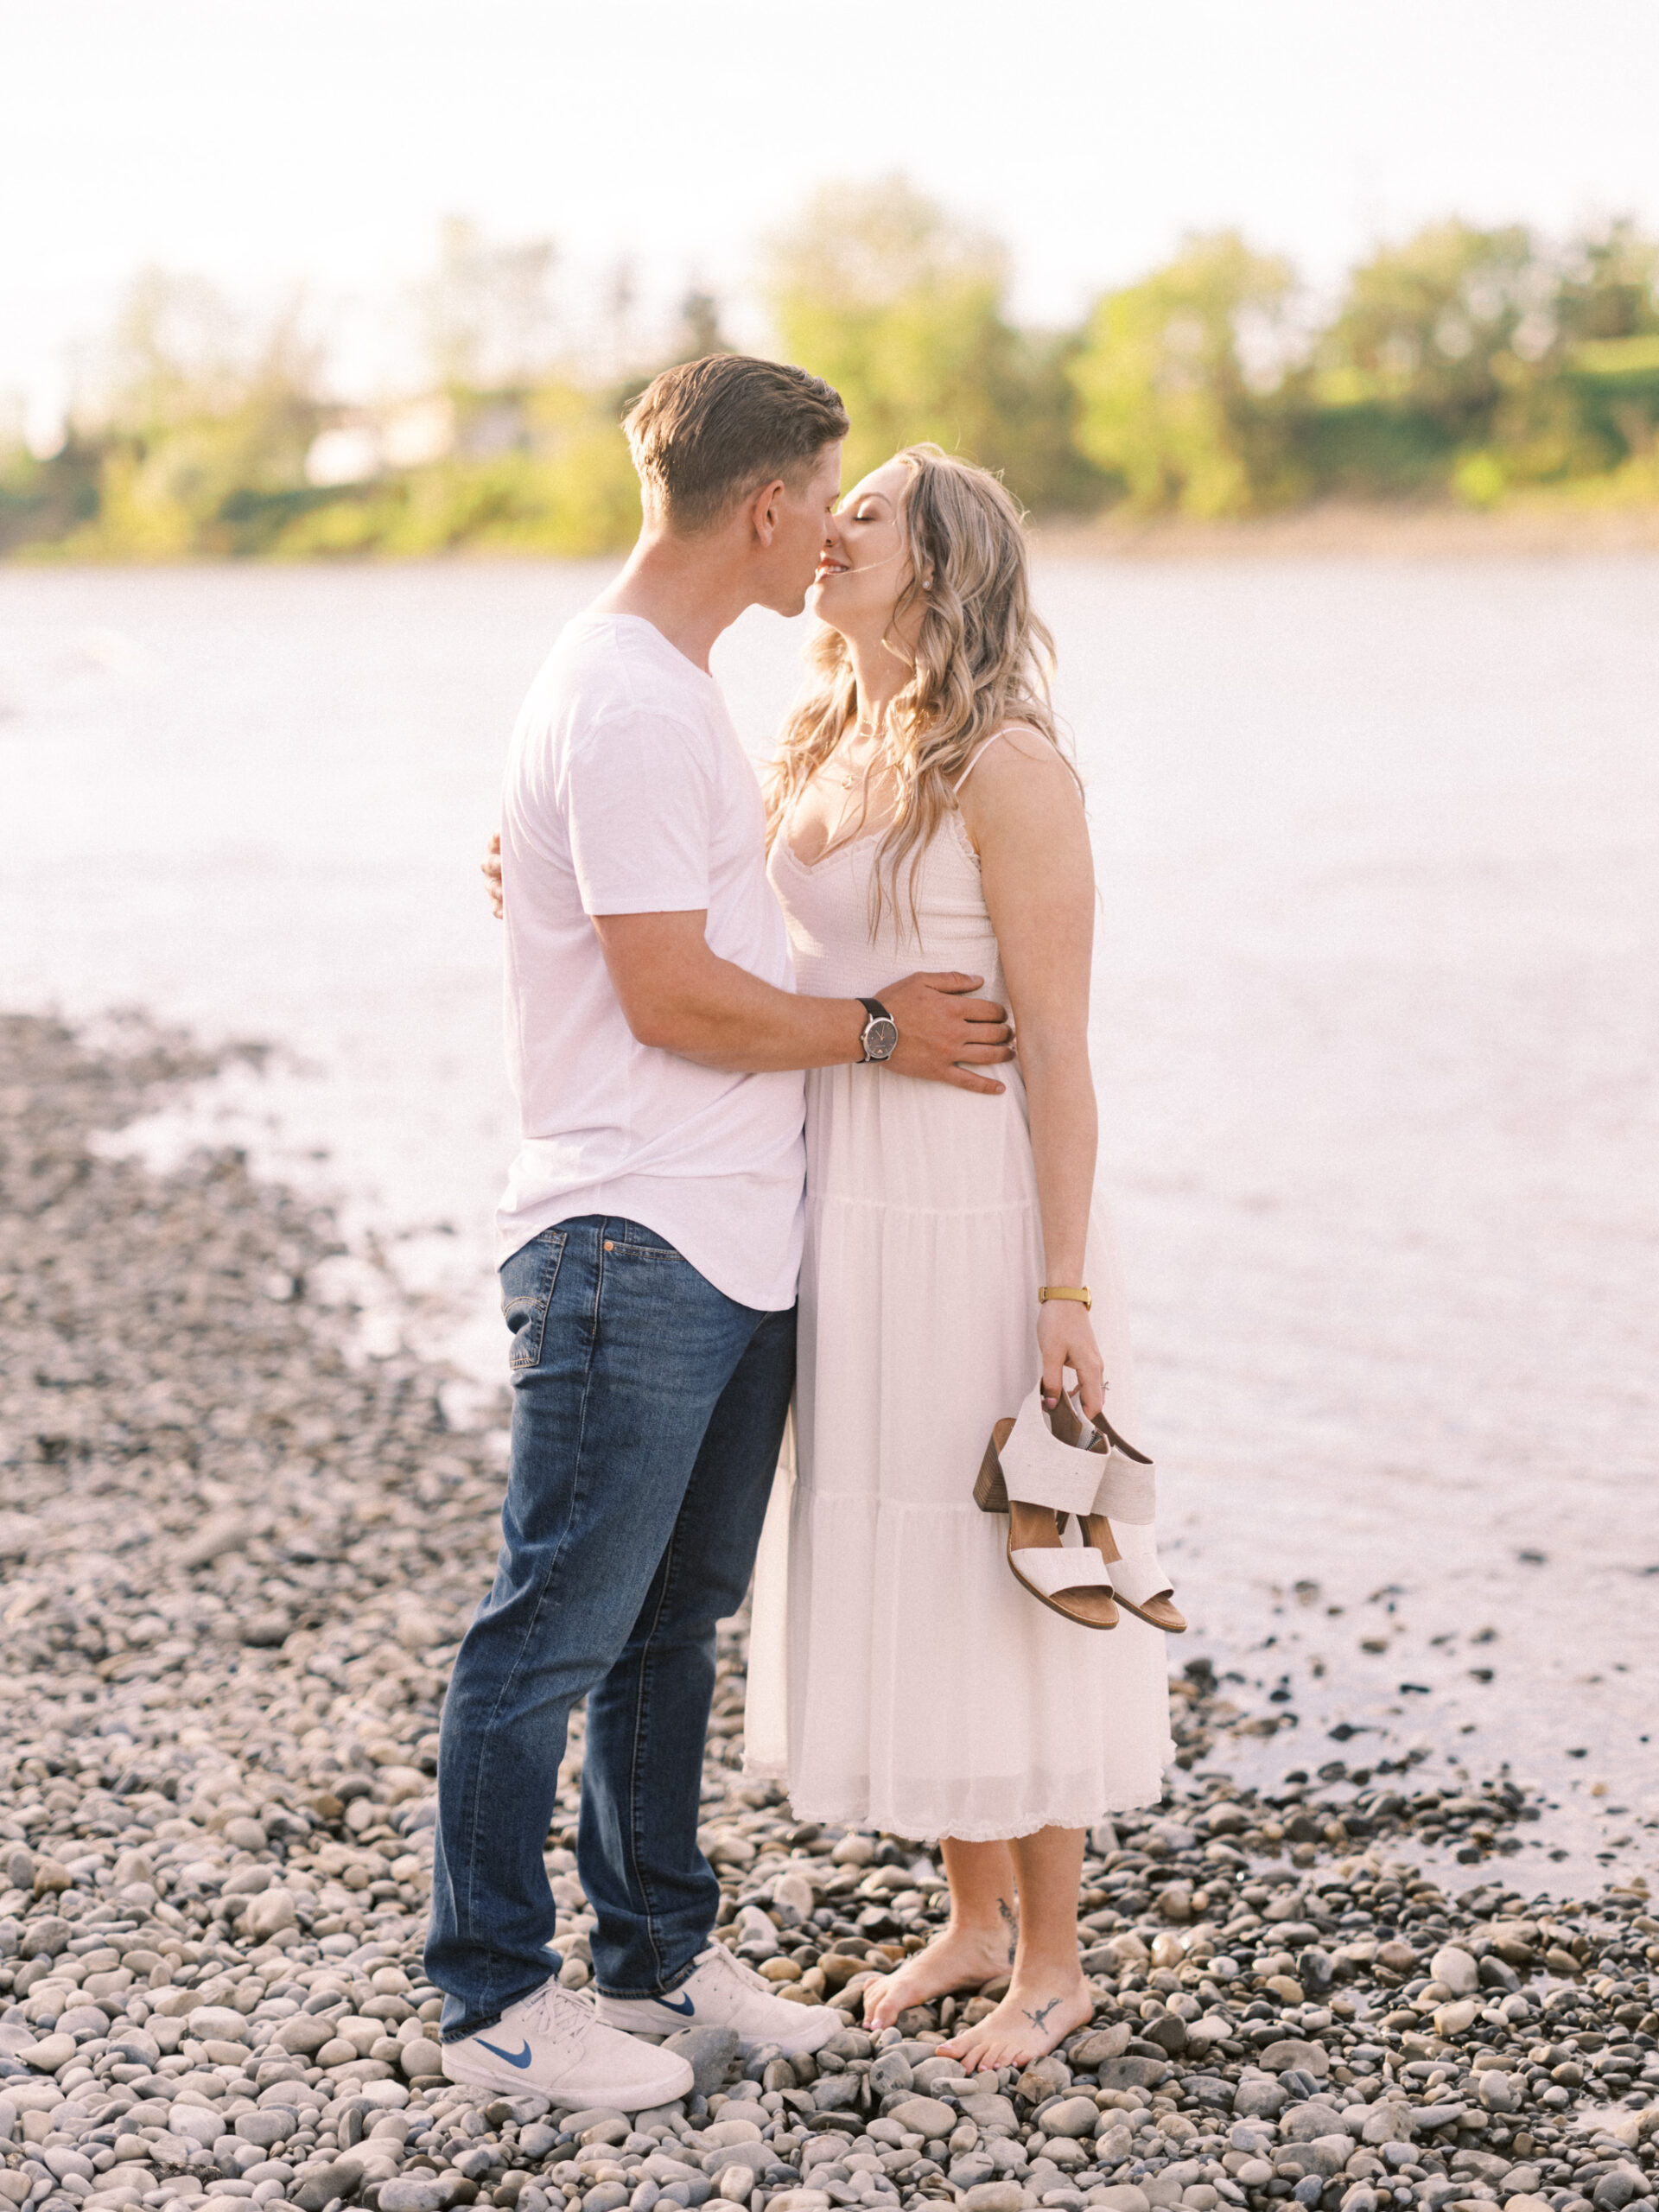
{"points": [[1378, 1037]]}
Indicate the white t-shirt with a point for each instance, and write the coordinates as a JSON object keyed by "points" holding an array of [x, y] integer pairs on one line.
{"points": [[627, 793]]}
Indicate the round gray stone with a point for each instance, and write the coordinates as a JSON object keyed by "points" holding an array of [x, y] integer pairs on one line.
{"points": [[1258, 2096], [708, 2052], [304, 2035], [929, 2117], [420, 2058], [1004, 2195], [1292, 2055], [757, 2157], [318, 2186], [1302, 2123], [890, 2075], [1388, 2123], [265, 2128], [408, 2193], [593, 2117], [1129, 2073], [1093, 2049], [1073, 2116], [1457, 1968]]}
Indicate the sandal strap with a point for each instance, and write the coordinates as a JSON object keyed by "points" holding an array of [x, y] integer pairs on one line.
{"points": [[1137, 1577], [1126, 1489], [1038, 1470], [1052, 1569], [1128, 1480]]}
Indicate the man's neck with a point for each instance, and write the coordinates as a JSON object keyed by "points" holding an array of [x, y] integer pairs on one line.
{"points": [[688, 588]]}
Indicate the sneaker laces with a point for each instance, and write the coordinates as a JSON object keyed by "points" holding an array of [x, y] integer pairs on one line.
{"points": [[556, 2012]]}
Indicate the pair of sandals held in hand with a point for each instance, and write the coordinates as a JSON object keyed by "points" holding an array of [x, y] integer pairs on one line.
{"points": [[1049, 1464]]}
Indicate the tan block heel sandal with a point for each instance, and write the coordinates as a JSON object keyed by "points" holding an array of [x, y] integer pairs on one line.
{"points": [[1043, 1466], [1051, 1482]]}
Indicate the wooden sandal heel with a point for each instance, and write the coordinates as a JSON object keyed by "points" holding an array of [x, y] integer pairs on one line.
{"points": [[990, 1491]]}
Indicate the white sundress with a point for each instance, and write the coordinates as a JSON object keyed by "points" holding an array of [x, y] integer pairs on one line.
{"points": [[900, 1678]]}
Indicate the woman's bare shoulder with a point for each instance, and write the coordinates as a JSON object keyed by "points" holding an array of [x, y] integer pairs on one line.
{"points": [[1018, 741], [1019, 769]]}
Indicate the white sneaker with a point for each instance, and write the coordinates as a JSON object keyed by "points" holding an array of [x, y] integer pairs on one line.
{"points": [[552, 2043], [720, 1991]]}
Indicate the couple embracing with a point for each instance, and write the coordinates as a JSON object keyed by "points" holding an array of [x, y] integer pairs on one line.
{"points": [[758, 1045]]}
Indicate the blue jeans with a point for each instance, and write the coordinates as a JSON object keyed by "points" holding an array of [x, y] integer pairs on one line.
{"points": [[648, 1411]]}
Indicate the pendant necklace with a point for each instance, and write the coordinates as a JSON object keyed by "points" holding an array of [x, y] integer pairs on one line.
{"points": [[844, 775], [849, 782]]}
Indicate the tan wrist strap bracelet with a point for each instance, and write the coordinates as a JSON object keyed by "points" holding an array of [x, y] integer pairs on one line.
{"points": [[1081, 1293]]}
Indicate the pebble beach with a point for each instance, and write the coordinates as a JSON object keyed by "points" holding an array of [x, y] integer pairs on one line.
{"points": [[237, 1553]]}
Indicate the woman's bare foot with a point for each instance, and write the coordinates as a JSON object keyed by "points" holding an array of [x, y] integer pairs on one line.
{"points": [[955, 1959], [1039, 2011]]}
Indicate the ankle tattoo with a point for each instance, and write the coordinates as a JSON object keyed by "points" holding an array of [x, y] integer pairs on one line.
{"points": [[1011, 1922]]}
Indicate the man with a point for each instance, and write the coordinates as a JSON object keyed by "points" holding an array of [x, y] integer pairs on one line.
{"points": [[650, 1236]]}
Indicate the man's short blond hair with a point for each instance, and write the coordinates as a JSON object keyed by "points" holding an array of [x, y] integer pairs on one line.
{"points": [[706, 433]]}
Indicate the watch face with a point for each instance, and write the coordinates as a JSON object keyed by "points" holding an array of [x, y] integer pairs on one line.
{"points": [[880, 1035]]}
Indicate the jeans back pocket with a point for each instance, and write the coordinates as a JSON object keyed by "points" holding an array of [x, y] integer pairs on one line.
{"points": [[527, 1280]]}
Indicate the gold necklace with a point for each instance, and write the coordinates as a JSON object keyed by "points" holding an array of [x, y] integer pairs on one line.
{"points": [[844, 775]]}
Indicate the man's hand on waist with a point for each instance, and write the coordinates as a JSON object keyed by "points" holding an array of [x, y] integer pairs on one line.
{"points": [[945, 1034]]}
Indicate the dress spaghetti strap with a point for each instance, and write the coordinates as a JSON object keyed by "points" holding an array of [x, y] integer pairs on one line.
{"points": [[983, 751]]}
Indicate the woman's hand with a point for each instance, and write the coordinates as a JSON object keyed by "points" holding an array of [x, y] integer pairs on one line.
{"points": [[1065, 1337], [490, 869]]}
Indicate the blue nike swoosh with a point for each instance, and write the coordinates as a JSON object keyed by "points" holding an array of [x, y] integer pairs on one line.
{"points": [[513, 2057], [688, 2007]]}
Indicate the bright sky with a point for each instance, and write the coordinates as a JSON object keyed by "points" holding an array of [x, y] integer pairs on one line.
{"points": [[260, 142]]}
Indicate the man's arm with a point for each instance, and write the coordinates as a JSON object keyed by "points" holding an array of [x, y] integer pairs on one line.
{"points": [[680, 996]]}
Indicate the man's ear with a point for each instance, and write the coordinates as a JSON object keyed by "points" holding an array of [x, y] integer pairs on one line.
{"points": [[763, 510]]}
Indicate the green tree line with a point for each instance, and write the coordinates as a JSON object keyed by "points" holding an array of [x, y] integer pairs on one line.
{"points": [[1463, 364]]}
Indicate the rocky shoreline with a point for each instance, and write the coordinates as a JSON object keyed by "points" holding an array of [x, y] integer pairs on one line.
{"points": [[237, 1558]]}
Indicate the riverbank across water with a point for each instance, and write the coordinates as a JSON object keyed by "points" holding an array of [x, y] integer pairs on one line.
{"points": [[1338, 529], [239, 1552]]}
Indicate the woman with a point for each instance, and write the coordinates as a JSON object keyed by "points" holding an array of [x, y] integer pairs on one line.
{"points": [[901, 1677]]}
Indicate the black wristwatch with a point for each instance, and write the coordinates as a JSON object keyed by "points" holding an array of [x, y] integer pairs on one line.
{"points": [[881, 1037]]}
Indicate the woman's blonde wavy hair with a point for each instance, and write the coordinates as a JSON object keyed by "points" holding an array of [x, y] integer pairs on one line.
{"points": [[983, 658]]}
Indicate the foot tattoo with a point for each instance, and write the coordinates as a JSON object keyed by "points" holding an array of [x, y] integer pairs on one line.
{"points": [[1024, 2026]]}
